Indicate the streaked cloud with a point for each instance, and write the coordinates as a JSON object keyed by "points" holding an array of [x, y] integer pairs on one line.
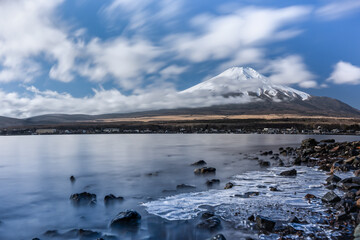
{"points": [[223, 37], [290, 70], [345, 73], [338, 9]]}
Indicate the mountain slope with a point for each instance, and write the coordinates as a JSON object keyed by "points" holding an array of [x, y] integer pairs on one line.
{"points": [[245, 83]]}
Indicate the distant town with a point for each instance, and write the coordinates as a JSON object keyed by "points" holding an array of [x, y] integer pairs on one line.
{"points": [[175, 130]]}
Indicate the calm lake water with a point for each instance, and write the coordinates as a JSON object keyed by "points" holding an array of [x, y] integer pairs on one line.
{"points": [[35, 185]]}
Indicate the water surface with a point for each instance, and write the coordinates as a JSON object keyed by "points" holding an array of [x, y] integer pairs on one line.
{"points": [[35, 185]]}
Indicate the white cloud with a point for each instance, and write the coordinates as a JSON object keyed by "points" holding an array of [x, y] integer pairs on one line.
{"points": [[27, 31], [345, 73], [140, 13], [125, 60], [225, 36], [101, 102], [172, 71], [290, 70], [338, 9]]}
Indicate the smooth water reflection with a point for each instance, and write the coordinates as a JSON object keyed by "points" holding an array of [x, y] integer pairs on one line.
{"points": [[35, 171]]}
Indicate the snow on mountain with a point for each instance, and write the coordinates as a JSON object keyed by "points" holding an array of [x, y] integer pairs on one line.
{"points": [[245, 82]]}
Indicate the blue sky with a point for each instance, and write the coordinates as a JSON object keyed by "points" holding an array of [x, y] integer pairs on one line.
{"points": [[91, 56]]}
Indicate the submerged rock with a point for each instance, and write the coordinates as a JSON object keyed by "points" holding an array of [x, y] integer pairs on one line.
{"points": [[264, 223], [210, 223], [110, 198], [185, 186], [291, 172], [205, 170], [127, 218], [207, 214], [212, 182], [84, 198], [72, 179], [199, 163], [263, 163], [330, 197], [218, 237], [229, 185]]}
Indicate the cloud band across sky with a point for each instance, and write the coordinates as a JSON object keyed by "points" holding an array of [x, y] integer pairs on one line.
{"points": [[148, 43]]}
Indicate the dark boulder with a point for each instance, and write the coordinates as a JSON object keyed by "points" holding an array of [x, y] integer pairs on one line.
{"points": [[109, 199], [199, 163], [228, 185], [328, 141], [84, 198], [72, 179], [330, 197], [310, 142], [205, 170], [264, 223], [291, 172], [207, 214], [125, 219], [210, 223], [263, 163], [212, 182], [333, 179]]}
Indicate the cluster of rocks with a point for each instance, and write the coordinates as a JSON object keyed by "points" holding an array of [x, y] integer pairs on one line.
{"points": [[334, 157], [331, 157]]}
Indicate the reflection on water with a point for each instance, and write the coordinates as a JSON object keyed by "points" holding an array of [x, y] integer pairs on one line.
{"points": [[35, 184]]}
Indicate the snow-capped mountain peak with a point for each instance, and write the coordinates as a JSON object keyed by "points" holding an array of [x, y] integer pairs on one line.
{"points": [[245, 83]]}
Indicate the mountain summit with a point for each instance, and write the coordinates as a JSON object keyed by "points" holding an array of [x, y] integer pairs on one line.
{"points": [[245, 82]]}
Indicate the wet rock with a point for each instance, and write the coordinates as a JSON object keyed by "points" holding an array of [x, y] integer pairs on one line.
{"points": [[81, 234], [274, 189], [357, 173], [84, 198], [263, 163], [330, 197], [309, 196], [218, 237], [72, 179], [199, 163], [125, 219], [266, 153], [207, 214], [229, 185], [210, 223], [333, 179], [291, 172], [211, 182], [310, 142], [251, 218], [184, 186], [205, 170], [52, 233], [109, 199], [264, 223], [294, 220], [36, 239]]}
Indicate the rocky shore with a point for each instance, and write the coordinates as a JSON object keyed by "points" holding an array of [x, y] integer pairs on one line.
{"points": [[343, 209]]}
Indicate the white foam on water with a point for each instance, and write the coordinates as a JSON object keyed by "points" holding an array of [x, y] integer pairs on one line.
{"points": [[233, 206]]}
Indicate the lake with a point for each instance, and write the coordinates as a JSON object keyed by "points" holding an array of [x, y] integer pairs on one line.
{"points": [[144, 169]]}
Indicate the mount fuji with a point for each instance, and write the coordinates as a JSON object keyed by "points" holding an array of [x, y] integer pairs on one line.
{"points": [[245, 82]]}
